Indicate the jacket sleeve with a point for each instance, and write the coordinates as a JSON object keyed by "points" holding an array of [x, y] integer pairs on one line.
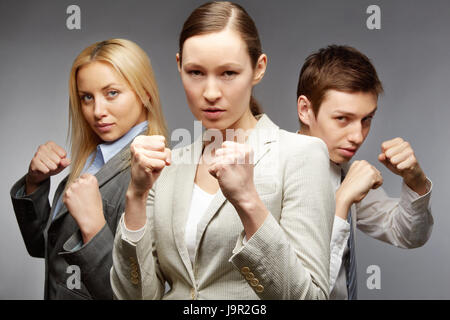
{"points": [[290, 258], [406, 222], [32, 213], [135, 273]]}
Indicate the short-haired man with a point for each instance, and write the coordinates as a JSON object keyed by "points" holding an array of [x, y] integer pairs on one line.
{"points": [[337, 98]]}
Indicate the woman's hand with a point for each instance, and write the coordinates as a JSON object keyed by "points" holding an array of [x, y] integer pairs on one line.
{"points": [[233, 166], [149, 156], [84, 202], [49, 159]]}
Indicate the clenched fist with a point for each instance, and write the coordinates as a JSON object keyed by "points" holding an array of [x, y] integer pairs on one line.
{"points": [[84, 202], [360, 179], [398, 156], [49, 159], [149, 156], [232, 166]]}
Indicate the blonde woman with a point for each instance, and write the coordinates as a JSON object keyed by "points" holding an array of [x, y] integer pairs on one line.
{"points": [[113, 98], [245, 219]]}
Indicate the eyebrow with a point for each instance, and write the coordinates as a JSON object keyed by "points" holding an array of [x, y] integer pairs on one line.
{"points": [[225, 65], [104, 88], [352, 114]]}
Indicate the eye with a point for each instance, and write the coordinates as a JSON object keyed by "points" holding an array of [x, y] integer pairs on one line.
{"points": [[112, 93], [195, 73], [229, 74], [341, 119], [86, 98], [367, 120]]}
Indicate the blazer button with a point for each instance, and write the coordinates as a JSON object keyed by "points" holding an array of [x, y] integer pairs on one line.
{"points": [[249, 276], [259, 288], [245, 270], [193, 294], [134, 281], [254, 282]]}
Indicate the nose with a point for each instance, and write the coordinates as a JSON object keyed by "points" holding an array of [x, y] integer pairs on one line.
{"points": [[99, 108], [212, 91], [356, 136]]}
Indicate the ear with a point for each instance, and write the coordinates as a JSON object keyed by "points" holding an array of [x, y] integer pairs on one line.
{"points": [[178, 62], [304, 110], [260, 69]]}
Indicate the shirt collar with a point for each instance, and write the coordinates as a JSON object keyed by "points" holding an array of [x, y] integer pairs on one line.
{"points": [[110, 149]]}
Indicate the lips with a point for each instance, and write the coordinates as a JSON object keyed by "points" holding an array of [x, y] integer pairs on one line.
{"points": [[348, 152], [104, 127], [213, 113]]}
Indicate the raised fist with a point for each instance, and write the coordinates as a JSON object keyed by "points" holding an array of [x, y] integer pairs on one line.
{"points": [[49, 159], [149, 156], [360, 178], [398, 156], [232, 166], [84, 202]]}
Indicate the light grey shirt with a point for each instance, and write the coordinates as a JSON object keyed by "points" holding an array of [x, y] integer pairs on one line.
{"points": [[405, 222]]}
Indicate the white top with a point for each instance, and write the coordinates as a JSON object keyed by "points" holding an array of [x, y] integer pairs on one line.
{"points": [[199, 204]]}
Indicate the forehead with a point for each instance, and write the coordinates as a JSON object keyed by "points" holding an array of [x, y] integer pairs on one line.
{"points": [[358, 104], [97, 74], [223, 47]]}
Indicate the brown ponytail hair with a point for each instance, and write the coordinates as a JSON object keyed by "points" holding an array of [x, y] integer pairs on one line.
{"points": [[216, 16]]}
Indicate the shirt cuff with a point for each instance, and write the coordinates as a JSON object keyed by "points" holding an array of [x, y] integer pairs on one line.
{"points": [[339, 239], [132, 235], [340, 235], [21, 192], [411, 197]]}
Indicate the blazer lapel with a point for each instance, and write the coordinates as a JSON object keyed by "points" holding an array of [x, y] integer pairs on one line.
{"points": [[182, 195], [114, 166], [260, 140]]}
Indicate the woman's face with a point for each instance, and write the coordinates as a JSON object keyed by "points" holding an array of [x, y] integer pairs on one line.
{"points": [[218, 77], [108, 104]]}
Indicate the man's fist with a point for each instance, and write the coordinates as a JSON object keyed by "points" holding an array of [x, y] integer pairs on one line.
{"points": [[49, 159], [360, 178], [398, 156], [149, 156], [84, 202]]}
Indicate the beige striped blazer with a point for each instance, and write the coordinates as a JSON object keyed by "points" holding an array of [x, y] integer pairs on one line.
{"points": [[287, 258]]}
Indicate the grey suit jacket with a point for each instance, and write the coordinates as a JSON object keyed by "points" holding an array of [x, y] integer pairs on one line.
{"points": [[55, 239], [287, 258]]}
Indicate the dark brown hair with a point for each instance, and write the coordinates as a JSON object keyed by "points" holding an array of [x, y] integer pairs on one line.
{"points": [[341, 68], [215, 17]]}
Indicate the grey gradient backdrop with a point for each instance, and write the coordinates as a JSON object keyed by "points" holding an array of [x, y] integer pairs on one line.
{"points": [[410, 53]]}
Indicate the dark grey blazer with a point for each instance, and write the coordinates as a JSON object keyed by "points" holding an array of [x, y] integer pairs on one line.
{"points": [[54, 239]]}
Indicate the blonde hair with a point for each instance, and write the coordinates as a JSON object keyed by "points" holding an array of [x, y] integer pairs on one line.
{"points": [[133, 64]]}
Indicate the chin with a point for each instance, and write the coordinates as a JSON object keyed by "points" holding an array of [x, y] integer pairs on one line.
{"points": [[340, 160], [108, 137]]}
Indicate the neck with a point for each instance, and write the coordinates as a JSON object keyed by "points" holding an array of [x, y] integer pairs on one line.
{"points": [[304, 130]]}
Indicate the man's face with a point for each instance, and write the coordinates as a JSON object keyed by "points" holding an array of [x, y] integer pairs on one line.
{"points": [[343, 122]]}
